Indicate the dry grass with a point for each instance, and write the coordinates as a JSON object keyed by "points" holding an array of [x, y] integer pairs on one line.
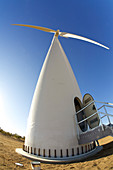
{"points": [[8, 157]]}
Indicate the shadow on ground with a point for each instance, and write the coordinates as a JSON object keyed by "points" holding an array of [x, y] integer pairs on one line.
{"points": [[106, 151]]}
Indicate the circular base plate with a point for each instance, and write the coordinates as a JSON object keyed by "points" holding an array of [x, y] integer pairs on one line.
{"points": [[59, 160]]}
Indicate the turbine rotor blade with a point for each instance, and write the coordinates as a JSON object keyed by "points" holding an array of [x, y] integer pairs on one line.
{"points": [[62, 34], [68, 35], [37, 27]]}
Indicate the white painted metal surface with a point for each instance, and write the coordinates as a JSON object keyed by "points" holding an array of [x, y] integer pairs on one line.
{"points": [[51, 123]]}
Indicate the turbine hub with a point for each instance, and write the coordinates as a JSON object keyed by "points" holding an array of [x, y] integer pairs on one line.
{"points": [[57, 33]]}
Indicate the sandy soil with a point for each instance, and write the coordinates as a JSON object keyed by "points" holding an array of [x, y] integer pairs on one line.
{"points": [[8, 157]]}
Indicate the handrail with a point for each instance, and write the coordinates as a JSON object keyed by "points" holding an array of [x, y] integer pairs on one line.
{"points": [[85, 107], [105, 104], [103, 116], [108, 106], [87, 118], [100, 107], [107, 114], [96, 102]]}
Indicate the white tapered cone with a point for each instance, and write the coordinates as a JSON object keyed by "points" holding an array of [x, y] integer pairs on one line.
{"points": [[51, 123]]}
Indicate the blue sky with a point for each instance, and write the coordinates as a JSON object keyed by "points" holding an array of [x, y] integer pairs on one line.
{"points": [[23, 50]]}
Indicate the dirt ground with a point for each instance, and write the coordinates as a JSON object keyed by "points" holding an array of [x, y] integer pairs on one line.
{"points": [[8, 157]]}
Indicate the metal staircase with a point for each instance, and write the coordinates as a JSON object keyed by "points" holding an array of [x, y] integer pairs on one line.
{"points": [[105, 127], [95, 134]]}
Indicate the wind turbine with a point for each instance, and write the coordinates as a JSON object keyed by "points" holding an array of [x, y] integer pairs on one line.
{"points": [[53, 129]]}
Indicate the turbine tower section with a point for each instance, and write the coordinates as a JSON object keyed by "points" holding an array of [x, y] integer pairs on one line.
{"points": [[51, 122]]}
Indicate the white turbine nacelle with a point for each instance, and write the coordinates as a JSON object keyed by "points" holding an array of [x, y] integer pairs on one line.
{"points": [[52, 130]]}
